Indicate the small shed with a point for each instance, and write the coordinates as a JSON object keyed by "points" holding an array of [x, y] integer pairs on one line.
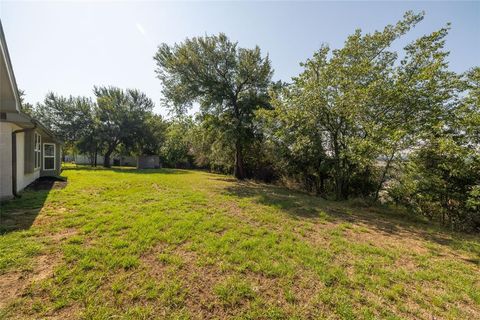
{"points": [[148, 162]]}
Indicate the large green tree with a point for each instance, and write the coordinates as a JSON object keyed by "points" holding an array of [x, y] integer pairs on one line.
{"points": [[441, 179], [355, 111], [68, 117], [332, 121], [422, 96], [228, 82], [122, 116]]}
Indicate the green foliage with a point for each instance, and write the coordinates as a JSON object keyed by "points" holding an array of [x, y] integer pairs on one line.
{"points": [[441, 179], [121, 118], [69, 118], [175, 150], [229, 84], [26, 107], [152, 135], [353, 112]]}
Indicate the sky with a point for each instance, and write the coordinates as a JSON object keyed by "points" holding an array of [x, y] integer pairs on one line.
{"points": [[68, 47]]}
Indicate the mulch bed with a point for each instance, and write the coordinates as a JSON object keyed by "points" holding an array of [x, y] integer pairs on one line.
{"points": [[47, 183]]}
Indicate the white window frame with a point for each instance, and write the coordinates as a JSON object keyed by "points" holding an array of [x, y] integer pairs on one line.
{"points": [[37, 151], [45, 156]]}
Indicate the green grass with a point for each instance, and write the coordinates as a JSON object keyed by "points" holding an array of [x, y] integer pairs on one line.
{"points": [[176, 244]]}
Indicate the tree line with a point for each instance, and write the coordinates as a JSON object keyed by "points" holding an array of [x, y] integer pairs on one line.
{"points": [[363, 120]]}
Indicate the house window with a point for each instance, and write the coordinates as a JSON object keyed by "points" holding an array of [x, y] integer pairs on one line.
{"points": [[49, 156], [37, 150]]}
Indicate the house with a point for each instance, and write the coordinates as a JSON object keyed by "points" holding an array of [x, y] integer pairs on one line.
{"points": [[28, 150]]}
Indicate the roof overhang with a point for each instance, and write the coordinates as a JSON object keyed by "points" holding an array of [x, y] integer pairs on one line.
{"points": [[25, 121], [9, 97], [20, 119]]}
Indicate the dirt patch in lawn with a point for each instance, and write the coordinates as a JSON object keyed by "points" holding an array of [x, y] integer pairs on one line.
{"points": [[14, 284], [200, 280]]}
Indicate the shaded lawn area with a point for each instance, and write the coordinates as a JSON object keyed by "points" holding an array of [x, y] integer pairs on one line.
{"points": [[183, 244]]}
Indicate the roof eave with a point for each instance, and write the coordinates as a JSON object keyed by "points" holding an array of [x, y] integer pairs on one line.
{"points": [[8, 62]]}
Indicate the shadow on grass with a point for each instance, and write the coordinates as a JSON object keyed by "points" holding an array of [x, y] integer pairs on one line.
{"points": [[20, 213], [125, 170], [387, 220]]}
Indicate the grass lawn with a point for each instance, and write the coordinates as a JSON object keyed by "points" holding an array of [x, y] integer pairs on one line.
{"points": [[176, 244]]}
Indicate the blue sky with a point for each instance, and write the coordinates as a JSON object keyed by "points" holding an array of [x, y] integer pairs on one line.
{"points": [[70, 47]]}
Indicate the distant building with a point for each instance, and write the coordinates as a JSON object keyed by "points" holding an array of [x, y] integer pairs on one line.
{"points": [[148, 162], [117, 160]]}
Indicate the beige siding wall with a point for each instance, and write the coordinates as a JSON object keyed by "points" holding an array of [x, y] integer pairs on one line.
{"points": [[6, 160], [25, 171], [23, 179], [29, 147]]}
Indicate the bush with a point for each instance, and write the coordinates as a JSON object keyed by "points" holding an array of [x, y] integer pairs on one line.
{"points": [[441, 181]]}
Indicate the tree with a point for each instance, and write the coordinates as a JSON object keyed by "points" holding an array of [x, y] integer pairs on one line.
{"points": [[441, 179], [26, 107], [122, 116], [211, 145], [332, 120], [294, 141], [423, 94], [90, 142], [176, 148], [229, 83], [69, 118], [153, 137], [469, 111]]}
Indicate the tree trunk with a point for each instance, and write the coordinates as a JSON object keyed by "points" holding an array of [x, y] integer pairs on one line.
{"points": [[239, 170], [341, 187], [384, 175], [106, 159], [322, 184], [338, 169]]}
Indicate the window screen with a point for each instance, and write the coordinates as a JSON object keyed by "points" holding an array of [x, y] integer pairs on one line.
{"points": [[48, 156]]}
